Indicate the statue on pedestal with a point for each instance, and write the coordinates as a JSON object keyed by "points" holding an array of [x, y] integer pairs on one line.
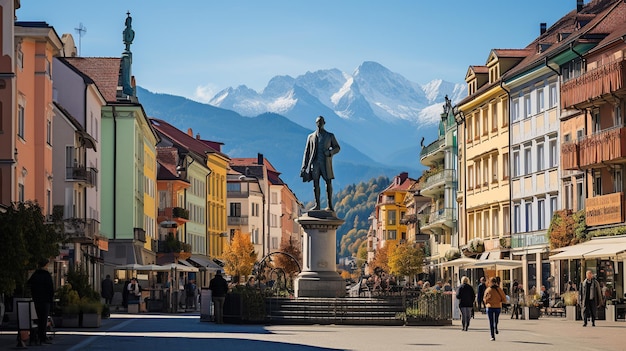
{"points": [[320, 148]]}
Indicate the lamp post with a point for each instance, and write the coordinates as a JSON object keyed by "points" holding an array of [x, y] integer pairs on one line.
{"points": [[247, 179]]}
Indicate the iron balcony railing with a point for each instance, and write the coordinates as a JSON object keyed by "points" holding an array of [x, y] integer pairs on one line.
{"points": [[445, 175], [237, 220], [84, 174], [521, 240], [431, 148], [81, 229], [444, 214]]}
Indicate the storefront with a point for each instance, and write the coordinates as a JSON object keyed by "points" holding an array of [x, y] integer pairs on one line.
{"points": [[604, 256]]}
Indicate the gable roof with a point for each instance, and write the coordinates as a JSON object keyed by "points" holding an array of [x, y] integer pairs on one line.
{"points": [[183, 139], [104, 71]]}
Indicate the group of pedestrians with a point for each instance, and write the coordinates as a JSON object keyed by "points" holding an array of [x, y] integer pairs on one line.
{"points": [[492, 297]]}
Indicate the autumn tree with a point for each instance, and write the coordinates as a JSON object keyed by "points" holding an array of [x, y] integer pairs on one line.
{"points": [[287, 263], [381, 259], [406, 260], [26, 239], [239, 256]]}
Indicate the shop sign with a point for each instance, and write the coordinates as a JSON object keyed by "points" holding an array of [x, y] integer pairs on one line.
{"points": [[604, 209]]}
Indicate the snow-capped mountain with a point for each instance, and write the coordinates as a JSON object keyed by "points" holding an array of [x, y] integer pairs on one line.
{"points": [[371, 103]]}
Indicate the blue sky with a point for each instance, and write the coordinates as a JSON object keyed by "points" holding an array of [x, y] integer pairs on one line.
{"points": [[195, 48]]}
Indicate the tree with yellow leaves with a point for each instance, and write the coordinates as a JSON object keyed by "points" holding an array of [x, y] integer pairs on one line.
{"points": [[381, 259], [239, 256], [406, 260]]}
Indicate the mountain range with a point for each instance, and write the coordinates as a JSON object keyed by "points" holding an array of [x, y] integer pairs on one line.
{"points": [[378, 116]]}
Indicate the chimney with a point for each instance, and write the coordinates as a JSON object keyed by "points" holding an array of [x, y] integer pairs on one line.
{"points": [[198, 136], [542, 28], [579, 5], [190, 132], [259, 159]]}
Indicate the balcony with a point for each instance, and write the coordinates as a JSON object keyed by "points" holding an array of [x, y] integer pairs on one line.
{"points": [[523, 240], [87, 175], [139, 234], [593, 84], [440, 219], [435, 182], [177, 214], [172, 246], [237, 220], [605, 146], [431, 153], [569, 156], [80, 230]]}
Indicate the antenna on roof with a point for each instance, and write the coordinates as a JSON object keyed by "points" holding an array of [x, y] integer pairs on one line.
{"points": [[81, 30]]}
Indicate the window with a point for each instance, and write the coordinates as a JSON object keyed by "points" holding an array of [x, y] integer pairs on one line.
{"points": [[479, 226], [20, 192], [595, 121], [528, 216], [274, 243], [540, 157], [49, 132], [20, 59], [477, 127], [618, 115], [506, 220], [255, 236], [233, 187], [515, 110], [517, 218], [477, 173], [391, 217], [553, 206], [255, 210], [485, 172], [617, 179], [469, 125], [597, 184], [274, 221], [274, 198], [485, 122], [505, 117], [541, 214], [527, 106], [516, 165], [553, 153], [527, 161], [568, 196], [486, 224], [494, 117], [540, 100], [580, 193], [495, 230], [553, 95], [20, 121], [505, 166], [235, 209], [494, 168], [470, 177], [391, 235]]}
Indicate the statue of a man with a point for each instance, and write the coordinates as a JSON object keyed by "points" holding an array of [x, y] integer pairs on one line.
{"points": [[128, 34], [317, 161]]}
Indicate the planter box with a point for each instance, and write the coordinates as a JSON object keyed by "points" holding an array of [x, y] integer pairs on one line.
{"points": [[71, 321], [91, 320], [531, 312], [610, 314], [572, 313]]}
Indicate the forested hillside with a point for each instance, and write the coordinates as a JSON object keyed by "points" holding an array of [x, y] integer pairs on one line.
{"points": [[355, 204]]}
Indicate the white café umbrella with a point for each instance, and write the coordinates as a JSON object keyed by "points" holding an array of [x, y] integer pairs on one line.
{"points": [[463, 262], [498, 264]]}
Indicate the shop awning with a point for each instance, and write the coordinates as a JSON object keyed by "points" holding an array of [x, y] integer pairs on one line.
{"points": [[463, 262], [592, 249], [205, 262]]}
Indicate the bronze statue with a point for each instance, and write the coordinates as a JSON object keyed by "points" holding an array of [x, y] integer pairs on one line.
{"points": [[317, 161]]}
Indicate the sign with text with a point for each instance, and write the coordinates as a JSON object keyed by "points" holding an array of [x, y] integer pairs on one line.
{"points": [[604, 209]]}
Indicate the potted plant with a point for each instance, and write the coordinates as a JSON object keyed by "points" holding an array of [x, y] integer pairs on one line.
{"points": [[531, 305], [71, 315], [570, 299]]}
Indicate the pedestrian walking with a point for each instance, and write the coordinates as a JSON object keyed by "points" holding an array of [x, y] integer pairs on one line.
{"points": [[481, 293], [494, 298], [466, 295], [42, 290], [590, 298], [517, 293], [219, 288], [107, 290], [190, 293]]}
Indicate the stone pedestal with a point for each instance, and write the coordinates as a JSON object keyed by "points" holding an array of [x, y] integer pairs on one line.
{"points": [[319, 277]]}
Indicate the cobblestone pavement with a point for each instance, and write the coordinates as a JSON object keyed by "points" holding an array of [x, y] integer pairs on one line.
{"points": [[186, 332]]}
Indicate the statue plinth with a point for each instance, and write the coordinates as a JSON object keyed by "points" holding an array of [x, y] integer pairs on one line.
{"points": [[319, 277]]}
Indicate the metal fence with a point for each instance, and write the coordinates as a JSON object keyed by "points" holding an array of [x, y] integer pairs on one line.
{"points": [[430, 306]]}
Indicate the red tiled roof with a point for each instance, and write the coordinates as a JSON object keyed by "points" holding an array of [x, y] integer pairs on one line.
{"points": [[183, 139], [250, 161], [105, 72], [480, 69], [503, 53]]}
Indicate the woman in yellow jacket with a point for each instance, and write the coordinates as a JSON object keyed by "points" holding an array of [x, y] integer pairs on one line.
{"points": [[494, 297]]}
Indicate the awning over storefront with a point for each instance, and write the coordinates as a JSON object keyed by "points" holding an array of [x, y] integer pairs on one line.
{"points": [[592, 249], [205, 262]]}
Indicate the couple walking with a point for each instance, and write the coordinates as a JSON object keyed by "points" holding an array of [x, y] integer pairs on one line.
{"points": [[493, 299]]}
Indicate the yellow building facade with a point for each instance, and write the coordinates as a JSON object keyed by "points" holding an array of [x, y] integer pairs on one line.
{"points": [[217, 228]]}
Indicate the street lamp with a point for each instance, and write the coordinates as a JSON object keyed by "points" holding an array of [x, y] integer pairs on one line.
{"points": [[248, 178]]}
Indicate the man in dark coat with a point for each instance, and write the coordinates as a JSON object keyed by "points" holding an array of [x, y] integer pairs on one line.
{"points": [[320, 148], [590, 298], [107, 289], [42, 289], [219, 288], [465, 294], [481, 293]]}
